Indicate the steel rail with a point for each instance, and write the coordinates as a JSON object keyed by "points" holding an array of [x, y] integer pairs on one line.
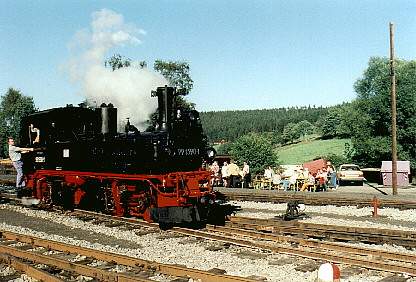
{"points": [[86, 270], [29, 270], [350, 258], [173, 270], [403, 257], [312, 199], [373, 235]]}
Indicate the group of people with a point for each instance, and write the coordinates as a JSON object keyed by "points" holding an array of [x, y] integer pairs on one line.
{"points": [[327, 177], [230, 175], [303, 179]]}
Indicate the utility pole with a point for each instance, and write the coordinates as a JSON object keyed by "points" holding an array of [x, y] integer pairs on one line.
{"points": [[393, 113]]}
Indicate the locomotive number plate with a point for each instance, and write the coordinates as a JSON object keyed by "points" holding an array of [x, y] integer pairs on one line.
{"points": [[188, 152], [39, 159]]}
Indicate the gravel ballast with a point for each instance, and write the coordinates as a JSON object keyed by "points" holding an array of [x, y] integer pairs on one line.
{"points": [[389, 218], [160, 246]]}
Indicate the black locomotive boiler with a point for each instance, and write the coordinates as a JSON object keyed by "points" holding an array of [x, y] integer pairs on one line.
{"points": [[82, 161]]}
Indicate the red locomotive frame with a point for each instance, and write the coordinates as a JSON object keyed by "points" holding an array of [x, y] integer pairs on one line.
{"points": [[175, 189]]}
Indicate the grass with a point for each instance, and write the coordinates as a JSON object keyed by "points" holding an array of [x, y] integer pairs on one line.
{"points": [[308, 150]]}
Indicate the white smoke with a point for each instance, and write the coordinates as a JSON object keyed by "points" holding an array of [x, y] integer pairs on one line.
{"points": [[127, 88]]}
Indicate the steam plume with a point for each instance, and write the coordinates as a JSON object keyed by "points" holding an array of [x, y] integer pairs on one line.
{"points": [[128, 88]]}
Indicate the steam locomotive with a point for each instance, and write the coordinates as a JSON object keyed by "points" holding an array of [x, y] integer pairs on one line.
{"points": [[81, 161]]}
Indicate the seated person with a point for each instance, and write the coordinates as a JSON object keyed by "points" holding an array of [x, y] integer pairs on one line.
{"points": [[224, 174], [277, 180], [215, 169], [268, 173], [293, 179], [310, 182], [321, 177]]}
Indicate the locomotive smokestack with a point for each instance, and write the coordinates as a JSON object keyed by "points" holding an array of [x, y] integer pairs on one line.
{"points": [[108, 117], [104, 119], [165, 108], [165, 97]]}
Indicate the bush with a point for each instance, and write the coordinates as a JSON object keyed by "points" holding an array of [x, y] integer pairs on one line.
{"points": [[256, 150]]}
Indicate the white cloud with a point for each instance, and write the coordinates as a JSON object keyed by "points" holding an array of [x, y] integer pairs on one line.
{"points": [[127, 88]]}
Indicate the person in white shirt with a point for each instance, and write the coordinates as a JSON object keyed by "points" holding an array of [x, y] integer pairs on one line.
{"points": [[268, 173], [224, 174], [215, 169], [246, 175], [292, 179], [15, 154]]}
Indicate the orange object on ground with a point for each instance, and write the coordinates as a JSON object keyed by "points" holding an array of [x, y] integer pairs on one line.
{"points": [[376, 205]]}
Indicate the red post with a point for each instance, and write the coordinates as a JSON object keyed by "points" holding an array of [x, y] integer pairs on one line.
{"points": [[119, 211], [376, 204]]}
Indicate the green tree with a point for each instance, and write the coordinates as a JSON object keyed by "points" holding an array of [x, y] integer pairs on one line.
{"points": [[229, 125], [339, 122], [349, 120], [371, 140], [254, 149], [177, 73], [371, 151], [117, 61], [330, 124], [224, 149], [13, 107], [305, 128], [292, 132]]}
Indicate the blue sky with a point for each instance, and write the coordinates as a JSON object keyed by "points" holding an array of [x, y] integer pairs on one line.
{"points": [[243, 54]]}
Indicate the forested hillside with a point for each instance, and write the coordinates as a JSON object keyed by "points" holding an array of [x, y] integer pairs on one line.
{"points": [[366, 121], [229, 125]]}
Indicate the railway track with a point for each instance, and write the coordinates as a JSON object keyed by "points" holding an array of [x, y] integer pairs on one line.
{"points": [[251, 233], [340, 233], [298, 229], [20, 267], [62, 262], [307, 248], [316, 199]]}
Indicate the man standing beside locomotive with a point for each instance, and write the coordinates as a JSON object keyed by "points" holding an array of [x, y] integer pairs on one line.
{"points": [[15, 154]]}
